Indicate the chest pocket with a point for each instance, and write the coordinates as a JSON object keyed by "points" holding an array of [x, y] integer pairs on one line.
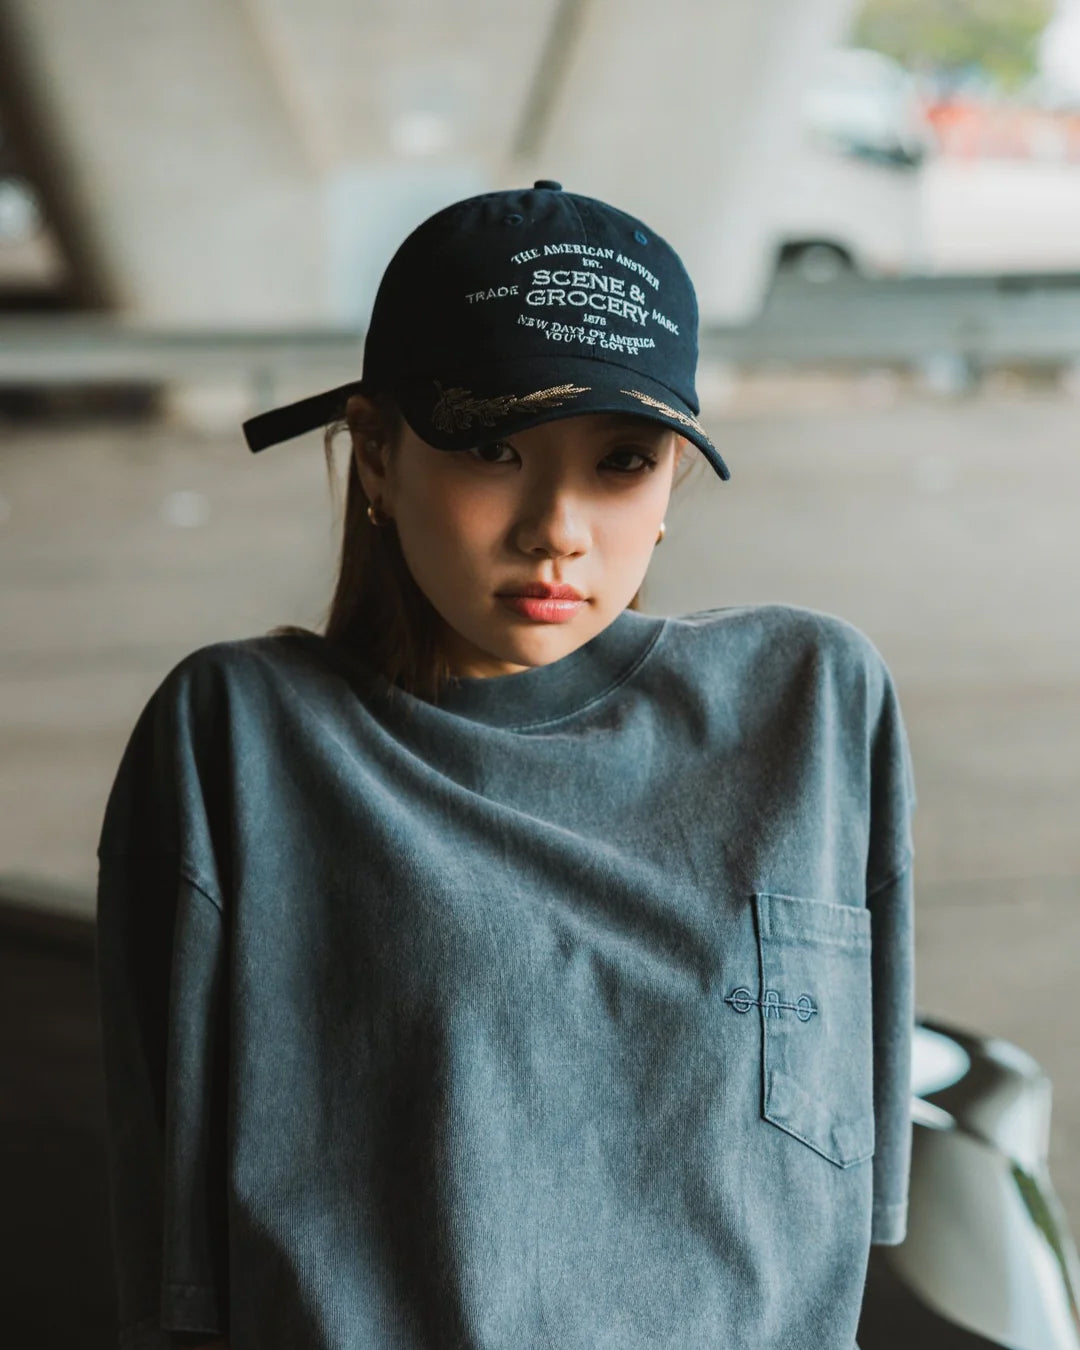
{"points": [[816, 1023]]}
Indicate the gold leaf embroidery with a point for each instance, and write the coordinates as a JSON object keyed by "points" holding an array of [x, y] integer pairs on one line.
{"points": [[455, 408], [670, 411]]}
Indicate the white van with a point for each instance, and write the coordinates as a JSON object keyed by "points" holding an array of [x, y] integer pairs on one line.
{"points": [[850, 199]]}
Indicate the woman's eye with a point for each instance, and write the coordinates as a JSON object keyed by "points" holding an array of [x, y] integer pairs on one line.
{"points": [[496, 446], [487, 453], [649, 461]]}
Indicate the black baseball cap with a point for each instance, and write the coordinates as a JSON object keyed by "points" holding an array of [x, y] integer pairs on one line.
{"points": [[518, 307]]}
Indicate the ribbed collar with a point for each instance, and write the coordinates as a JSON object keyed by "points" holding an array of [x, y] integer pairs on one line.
{"points": [[541, 693]]}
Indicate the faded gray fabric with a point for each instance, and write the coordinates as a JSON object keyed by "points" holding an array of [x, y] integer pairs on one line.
{"points": [[573, 1012]]}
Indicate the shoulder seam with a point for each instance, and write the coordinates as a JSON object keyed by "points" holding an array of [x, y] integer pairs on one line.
{"points": [[894, 876], [184, 870], [202, 890]]}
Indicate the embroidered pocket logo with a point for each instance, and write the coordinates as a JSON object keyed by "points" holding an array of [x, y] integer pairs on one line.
{"points": [[742, 1000]]}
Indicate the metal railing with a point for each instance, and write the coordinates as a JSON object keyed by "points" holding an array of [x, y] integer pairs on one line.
{"points": [[986, 321]]}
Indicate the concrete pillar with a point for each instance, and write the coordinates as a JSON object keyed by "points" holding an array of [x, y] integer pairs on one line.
{"points": [[196, 195]]}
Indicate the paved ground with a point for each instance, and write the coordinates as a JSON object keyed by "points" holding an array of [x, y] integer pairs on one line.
{"points": [[946, 531]]}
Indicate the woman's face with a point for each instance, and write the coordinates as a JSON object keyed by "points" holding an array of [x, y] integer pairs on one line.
{"points": [[577, 501]]}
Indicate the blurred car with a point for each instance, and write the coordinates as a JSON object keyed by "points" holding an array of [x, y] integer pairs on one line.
{"points": [[33, 269], [20, 209], [988, 1262], [850, 198], [20, 214]]}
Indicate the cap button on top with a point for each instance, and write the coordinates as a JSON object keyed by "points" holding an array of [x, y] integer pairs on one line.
{"points": [[548, 183]]}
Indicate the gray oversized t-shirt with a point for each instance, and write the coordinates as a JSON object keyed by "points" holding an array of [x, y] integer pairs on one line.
{"points": [[571, 1013]]}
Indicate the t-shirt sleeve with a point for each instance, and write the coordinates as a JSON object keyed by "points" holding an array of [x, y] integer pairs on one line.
{"points": [[161, 963], [890, 898], [160, 971], [892, 978]]}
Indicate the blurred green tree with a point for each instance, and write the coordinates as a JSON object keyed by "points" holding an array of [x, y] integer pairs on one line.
{"points": [[998, 36]]}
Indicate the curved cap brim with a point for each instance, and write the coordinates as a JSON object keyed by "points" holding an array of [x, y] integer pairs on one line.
{"points": [[453, 414]]}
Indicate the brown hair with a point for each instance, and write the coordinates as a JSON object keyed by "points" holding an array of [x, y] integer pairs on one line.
{"points": [[378, 618]]}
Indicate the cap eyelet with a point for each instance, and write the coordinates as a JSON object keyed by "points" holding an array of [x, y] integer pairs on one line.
{"points": [[641, 238], [513, 219]]}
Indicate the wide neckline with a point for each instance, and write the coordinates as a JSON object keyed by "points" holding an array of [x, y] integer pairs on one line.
{"points": [[542, 693]]}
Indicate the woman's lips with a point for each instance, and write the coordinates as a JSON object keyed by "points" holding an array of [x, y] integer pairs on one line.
{"points": [[546, 611]]}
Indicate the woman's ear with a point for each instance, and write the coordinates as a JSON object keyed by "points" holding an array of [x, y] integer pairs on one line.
{"points": [[362, 413], [370, 449]]}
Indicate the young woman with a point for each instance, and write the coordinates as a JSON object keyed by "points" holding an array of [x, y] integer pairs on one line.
{"points": [[503, 966]]}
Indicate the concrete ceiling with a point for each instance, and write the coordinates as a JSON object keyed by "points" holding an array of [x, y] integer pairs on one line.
{"points": [[256, 162]]}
